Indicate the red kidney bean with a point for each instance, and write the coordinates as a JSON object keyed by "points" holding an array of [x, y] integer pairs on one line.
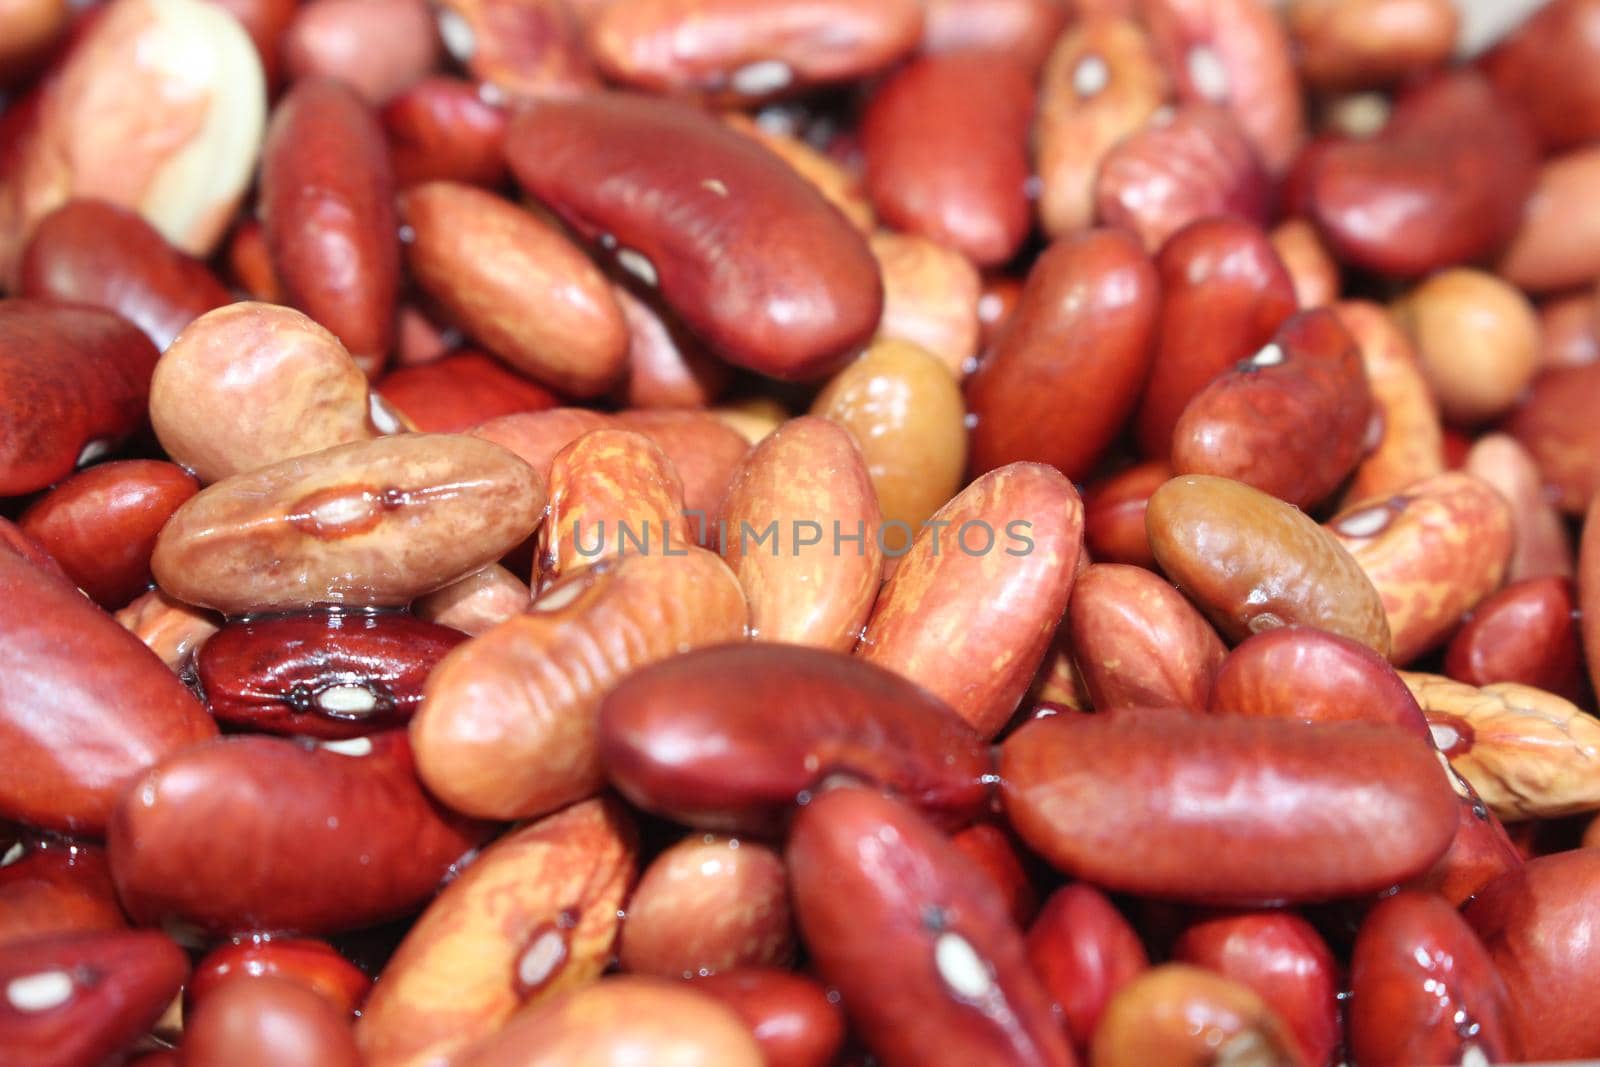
{"points": [[1084, 951], [18, 543], [667, 368], [377, 47], [327, 206], [704, 451], [792, 1017], [263, 833], [1138, 643], [1114, 510], [1443, 183], [1539, 924], [1481, 852], [1298, 672], [1555, 422], [525, 50], [1291, 420], [315, 965], [917, 941], [1186, 164], [101, 524], [446, 129], [678, 738], [1225, 293], [80, 998], [94, 252], [735, 240], [74, 380], [992, 849], [1424, 990], [738, 52], [55, 887], [321, 674], [1023, 28], [1283, 958], [1146, 802], [265, 1022], [84, 706], [1527, 633], [1549, 67], [250, 264], [456, 393], [1081, 336], [946, 142]]}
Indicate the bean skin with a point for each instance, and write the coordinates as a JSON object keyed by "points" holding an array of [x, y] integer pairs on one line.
{"points": [[252, 1021]]}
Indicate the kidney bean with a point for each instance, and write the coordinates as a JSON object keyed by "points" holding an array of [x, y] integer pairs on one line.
{"points": [[1553, 248], [76, 735], [1567, 336], [1310, 265], [678, 738], [1548, 67], [666, 367], [708, 904], [732, 237], [531, 918], [613, 1022], [1555, 422], [101, 524], [1224, 294], [75, 380], [1447, 176], [1424, 988], [1145, 802], [806, 475], [327, 209], [265, 22], [840, 185], [1528, 753], [50, 887], [313, 965], [443, 129], [737, 52], [323, 674], [517, 285], [171, 629], [377, 47], [81, 998], [930, 297], [1253, 563], [610, 487], [250, 264], [970, 619], [1188, 1017], [1411, 442], [1477, 342], [1138, 642], [1023, 28], [537, 436], [129, 117], [294, 387], [262, 1021], [94, 252], [907, 415], [1084, 951], [17, 542], [507, 727], [371, 524], [1082, 336], [1184, 165], [991, 848], [1433, 553], [1102, 82], [1291, 420], [1114, 510], [525, 50], [1314, 676], [1538, 925], [31, 29], [476, 603], [1370, 43], [1234, 54], [704, 451], [995, 307], [1525, 633], [265, 833], [946, 142], [1283, 959], [941, 952], [791, 1016], [456, 393], [1481, 852], [1058, 687]]}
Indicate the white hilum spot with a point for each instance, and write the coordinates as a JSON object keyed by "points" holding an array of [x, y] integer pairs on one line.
{"points": [[962, 969], [39, 992]]}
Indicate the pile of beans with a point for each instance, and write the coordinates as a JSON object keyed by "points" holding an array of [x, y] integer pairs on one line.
{"points": [[816, 533]]}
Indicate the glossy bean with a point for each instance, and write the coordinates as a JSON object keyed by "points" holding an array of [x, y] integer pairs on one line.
{"points": [[378, 47], [262, 1021], [456, 393], [1526, 633], [443, 129], [55, 887], [315, 965], [1542, 546], [1188, 1017], [792, 1017], [1410, 445], [1084, 952]]}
